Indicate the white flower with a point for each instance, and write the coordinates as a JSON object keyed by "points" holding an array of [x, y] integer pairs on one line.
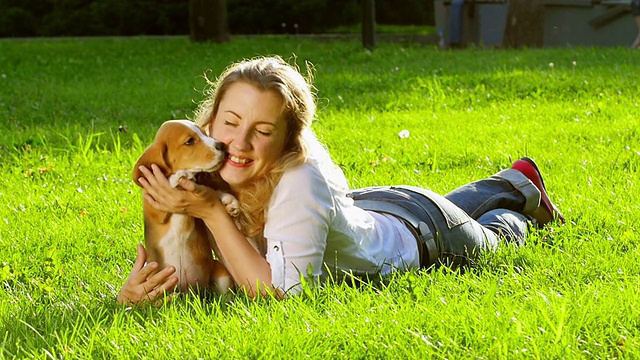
{"points": [[404, 134], [551, 65]]}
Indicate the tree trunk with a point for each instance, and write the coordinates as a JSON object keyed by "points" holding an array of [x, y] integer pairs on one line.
{"points": [[208, 21], [369, 24], [525, 24]]}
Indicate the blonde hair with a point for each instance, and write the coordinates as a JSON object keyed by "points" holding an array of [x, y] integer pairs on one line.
{"points": [[268, 74]]}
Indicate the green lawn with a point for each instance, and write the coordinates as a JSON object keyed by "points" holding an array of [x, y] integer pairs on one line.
{"points": [[76, 114]]}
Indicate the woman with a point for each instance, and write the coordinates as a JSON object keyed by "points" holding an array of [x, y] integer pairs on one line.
{"points": [[296, 204]]}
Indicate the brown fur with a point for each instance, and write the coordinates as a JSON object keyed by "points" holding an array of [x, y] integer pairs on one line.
{"points": [[180, 149]]}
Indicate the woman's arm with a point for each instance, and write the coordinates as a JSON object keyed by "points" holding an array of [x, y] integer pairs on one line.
{"points": [[249, 269]]}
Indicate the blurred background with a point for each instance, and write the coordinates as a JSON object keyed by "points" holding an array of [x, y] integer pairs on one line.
{"points": [[449, 23], [31, 18]]}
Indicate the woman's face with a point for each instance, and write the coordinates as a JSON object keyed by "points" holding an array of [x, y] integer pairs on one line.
{"points": [[249, 121]]}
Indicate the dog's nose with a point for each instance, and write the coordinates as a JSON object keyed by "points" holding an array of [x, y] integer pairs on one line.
{"points": [[219, 145]]}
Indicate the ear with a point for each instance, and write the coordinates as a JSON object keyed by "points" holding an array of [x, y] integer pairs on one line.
{"points": [[154, 154]]}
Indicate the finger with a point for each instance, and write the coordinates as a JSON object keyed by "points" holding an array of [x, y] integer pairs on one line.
{"points": [[203, 190], [150, 193], [162, 277], [158, 175], [154, 179], [156, 184], [141, 276], [146, 181], [147, 174], [188, 185], [152, 201], [165, 288], [200, 191], [140, 259]]}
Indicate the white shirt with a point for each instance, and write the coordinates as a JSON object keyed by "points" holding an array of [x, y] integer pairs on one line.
{"points": [[313, 229]]}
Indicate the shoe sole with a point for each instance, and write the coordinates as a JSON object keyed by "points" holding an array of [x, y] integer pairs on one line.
{"points": [[553, 210]]}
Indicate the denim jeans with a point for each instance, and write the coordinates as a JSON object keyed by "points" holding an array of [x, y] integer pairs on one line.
{"points": [[455, 21], [480, 215]]}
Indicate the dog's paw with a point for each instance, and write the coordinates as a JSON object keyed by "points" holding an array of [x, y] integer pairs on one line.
{"points": [[174, 179], [230, 203]]}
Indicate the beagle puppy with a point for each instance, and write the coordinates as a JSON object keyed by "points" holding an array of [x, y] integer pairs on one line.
{"points": [[181, 149]]}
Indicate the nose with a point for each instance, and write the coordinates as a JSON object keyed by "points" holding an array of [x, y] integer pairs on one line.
{"points": [[219, 145], [242, 140]]}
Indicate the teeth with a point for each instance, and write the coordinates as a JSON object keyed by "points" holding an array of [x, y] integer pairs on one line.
{"points": [[238, 160]]}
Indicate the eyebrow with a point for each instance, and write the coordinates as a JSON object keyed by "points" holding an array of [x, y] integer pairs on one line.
{"points": [[265, 122], [233, 112]]}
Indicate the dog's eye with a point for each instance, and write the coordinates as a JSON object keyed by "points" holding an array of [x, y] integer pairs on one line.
{"points": [[190, 141]]}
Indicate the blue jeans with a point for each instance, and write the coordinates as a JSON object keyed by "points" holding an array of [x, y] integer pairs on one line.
{"points": [[480, 215], [455, 21]]}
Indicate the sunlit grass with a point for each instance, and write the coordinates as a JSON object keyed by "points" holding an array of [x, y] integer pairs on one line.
{"points": [[75, 114]]}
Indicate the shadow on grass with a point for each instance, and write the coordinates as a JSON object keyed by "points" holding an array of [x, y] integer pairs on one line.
{"points": [[38, 324]]}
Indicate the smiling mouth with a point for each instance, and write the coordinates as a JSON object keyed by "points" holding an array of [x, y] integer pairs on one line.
{"points": [[238, 160]]}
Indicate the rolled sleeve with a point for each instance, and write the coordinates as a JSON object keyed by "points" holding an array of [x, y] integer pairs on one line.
{"points": [[298, 223]]}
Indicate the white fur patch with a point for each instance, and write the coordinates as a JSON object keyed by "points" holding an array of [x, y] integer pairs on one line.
{"points": [[173, 244], [231, 204], [174, 178], [209, 142]]}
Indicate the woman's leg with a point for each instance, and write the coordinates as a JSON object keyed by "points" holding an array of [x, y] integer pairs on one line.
{"points": [[458, 236], [508, 189], [520, 189], [478, 216], [462, 243]]}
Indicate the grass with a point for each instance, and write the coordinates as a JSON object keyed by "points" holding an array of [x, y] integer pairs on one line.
{"points": [[70, 216], [387, 29]]}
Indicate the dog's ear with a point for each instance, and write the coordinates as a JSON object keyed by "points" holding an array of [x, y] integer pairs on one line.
{"points": [[154, 154]]}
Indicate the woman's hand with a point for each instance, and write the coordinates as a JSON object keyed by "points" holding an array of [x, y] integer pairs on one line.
{"points": [[190, 199], [140, 288]]}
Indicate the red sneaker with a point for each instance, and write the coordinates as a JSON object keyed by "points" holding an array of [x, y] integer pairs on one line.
{"points": [[547, 211]]}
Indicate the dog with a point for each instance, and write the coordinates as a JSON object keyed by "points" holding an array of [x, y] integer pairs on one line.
{"points": [[181, 149]]}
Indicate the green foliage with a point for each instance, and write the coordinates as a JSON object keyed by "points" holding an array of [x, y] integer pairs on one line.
{"points": [[170, 17], [290, 17], [96, 17], [76, 114], [406, 12]]}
